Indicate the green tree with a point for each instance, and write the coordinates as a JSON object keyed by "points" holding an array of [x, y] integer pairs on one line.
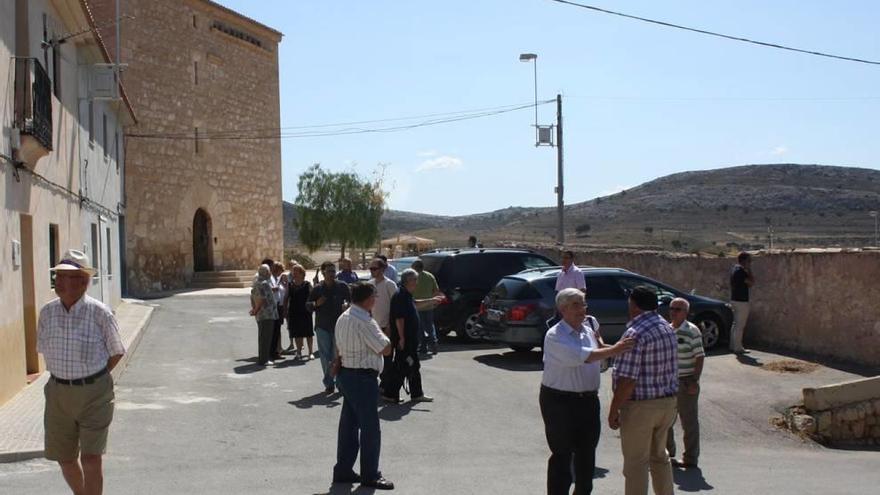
{"points": [[338, 207]]}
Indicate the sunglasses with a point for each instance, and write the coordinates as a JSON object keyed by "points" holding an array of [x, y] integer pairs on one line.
{"points": [[375, 268], [676, 309]]}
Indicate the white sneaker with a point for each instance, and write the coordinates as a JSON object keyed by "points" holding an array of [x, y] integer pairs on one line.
{"points": [[270, 363]]}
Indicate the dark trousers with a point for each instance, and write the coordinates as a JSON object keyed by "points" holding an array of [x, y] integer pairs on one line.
{"points": [[406, 367], [572, 426], [264, 340], [358, 425]]}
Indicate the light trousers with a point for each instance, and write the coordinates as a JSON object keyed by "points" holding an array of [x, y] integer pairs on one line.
{"points": [[643, 428], [740, 316]]}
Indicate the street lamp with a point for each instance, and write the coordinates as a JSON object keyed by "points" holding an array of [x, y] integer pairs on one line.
{"points": [[876, 229], [543, 135]]}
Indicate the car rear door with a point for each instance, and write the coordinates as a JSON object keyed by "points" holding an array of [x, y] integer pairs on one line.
{"points": [[608, 303]]}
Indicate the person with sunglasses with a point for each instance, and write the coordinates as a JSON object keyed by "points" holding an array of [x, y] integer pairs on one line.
{"points": [[690, 367], [381, 311]]}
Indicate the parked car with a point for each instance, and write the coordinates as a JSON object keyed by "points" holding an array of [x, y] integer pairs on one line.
{"points": [[401, 264], [466, 275], [516, 310]]}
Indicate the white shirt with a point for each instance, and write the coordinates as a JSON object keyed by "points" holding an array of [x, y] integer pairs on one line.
{"points": [[359, 340], [385, 290], [77, 343], [565, 353], [279, 293], [573, 278]]}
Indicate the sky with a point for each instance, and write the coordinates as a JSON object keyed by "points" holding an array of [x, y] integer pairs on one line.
{"points": [[639, 101]]}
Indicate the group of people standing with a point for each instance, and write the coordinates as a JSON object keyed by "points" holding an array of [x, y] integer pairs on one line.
{"points": [[656, 379], [370, 337]]}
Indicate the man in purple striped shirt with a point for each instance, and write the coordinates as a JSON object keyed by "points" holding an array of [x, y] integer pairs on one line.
{"points": [[645, 382]]}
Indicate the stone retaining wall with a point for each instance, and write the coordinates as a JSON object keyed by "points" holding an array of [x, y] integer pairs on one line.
{"points": [[822, 303]]}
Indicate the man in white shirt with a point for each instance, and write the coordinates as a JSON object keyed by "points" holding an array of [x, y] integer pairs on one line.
{"points": [[79, 339], [569, 393], [360, 345], [385, 290], [571, 277]]}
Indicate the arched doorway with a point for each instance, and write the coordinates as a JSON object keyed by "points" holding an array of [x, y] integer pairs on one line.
{"points": [[203, 251]]}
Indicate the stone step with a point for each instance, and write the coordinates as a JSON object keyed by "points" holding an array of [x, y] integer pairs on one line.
{"points": [[224, 273], [197, 284]]}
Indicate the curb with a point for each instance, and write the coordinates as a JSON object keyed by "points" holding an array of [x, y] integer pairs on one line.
{"points": [[133, 345]]}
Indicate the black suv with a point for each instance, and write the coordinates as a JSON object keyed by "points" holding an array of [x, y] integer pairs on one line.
{"points": [[516, 310], [467, 275]]}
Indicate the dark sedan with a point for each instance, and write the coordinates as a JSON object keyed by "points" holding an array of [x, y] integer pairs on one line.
{"points": [[516, 310]]}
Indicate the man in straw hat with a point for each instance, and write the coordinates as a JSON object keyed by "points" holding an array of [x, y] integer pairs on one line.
{"points": [[79, 339]]}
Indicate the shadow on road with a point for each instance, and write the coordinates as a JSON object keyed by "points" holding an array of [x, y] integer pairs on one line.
{"points": [[247, 369], [319, 399], [395, 412], [599, 472], [449, 344], [691, 480], [512, 361], [347, 489]]}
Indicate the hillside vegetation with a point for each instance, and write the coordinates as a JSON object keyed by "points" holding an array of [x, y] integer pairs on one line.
{"points": [[712, 211]]}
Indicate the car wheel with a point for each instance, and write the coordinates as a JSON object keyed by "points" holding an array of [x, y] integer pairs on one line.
{"points": [[522, 348], [711, 329], [468, 327]]}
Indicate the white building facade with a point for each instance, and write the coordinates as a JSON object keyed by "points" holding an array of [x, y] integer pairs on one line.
{"points": [[61, 153]]}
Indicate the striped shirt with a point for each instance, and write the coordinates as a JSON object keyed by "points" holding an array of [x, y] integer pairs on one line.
{"points": [[359, 340], [77, 343], [690, 347], [653, 362]]}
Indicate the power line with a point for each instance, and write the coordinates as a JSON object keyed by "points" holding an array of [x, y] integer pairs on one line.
{"points": [[316, 130], [719, 35], [725, 98]]}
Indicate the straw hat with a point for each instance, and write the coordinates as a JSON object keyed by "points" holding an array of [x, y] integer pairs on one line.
{"points": [[74, 260]]}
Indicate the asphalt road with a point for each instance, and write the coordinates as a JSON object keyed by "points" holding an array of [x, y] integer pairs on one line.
{"points": [[195, 416]]}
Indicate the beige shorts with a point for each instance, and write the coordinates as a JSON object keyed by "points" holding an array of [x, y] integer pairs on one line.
{"points": [[77, 418]]}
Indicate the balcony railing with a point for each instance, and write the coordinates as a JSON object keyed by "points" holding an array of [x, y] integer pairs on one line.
{"points": [[33, 101]]}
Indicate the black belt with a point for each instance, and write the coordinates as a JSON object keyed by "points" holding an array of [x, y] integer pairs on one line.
{"points": [[81, 381], [362, 371], [565, 393]]}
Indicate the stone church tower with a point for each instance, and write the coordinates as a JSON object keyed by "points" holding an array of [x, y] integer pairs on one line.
{"points": [[202, 168]]}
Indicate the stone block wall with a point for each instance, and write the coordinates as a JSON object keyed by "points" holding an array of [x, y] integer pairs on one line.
{"points": [[198, 71], [821, 303]]}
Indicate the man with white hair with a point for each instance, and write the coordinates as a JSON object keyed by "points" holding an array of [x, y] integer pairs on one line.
{"points": [[79, 339], [569, 393], [690, 367], [265, 311]]}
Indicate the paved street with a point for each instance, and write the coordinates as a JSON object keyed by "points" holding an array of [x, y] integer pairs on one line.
{"points": [[194, 415]]}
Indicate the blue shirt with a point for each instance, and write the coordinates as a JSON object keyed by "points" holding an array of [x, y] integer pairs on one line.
{"points": [[349, 277], [565, 353], [391, 273]]}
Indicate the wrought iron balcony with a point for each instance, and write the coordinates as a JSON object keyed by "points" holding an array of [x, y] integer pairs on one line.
{"points": [[33, 102]]}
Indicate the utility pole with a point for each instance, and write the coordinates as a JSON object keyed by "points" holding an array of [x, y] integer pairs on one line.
{"points": [[560, 201]]}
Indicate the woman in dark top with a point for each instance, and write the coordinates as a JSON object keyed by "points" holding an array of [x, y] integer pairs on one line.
{"points": [[299, 319]]}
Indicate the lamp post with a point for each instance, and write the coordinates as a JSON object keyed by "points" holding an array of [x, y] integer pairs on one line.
{"points": [[560, 202], [876, 216]]}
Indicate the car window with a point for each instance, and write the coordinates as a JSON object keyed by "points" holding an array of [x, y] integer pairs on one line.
{"points": [[629, 283], [530, 262], [603, 287], [515, 288], [435, 265]]}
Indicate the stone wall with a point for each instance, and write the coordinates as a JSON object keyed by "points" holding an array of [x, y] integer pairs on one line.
{"points": [[842, 414], [821, 303], [186, 71]]}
